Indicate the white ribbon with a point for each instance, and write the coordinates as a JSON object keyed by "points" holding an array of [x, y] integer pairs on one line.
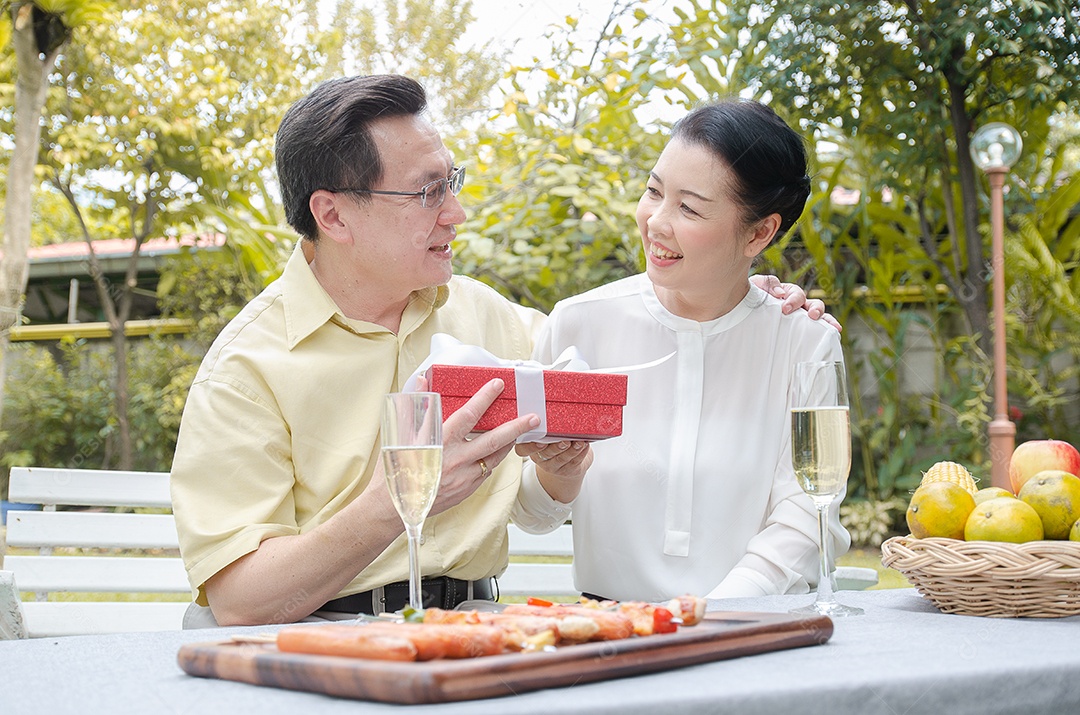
{"points": [[528, 375], [531, 399]]}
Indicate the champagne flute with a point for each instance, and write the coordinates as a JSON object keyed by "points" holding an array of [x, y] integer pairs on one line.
{"points": [[412, 460], [821, 456]]}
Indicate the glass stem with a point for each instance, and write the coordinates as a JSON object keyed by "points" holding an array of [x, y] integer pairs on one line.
{"points": [[824, 589], [415, 600]]}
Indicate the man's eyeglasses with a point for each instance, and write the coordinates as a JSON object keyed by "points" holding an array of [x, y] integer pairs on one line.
{"points": [[432, 194]]}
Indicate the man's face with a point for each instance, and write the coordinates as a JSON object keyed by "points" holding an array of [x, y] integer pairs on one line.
{"points": [[398, 245]]}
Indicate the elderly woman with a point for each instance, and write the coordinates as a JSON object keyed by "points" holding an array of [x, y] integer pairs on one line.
{"points": [[698, 495]]}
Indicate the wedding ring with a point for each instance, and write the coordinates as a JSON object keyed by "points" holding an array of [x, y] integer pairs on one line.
{"points": [[484, 471]]}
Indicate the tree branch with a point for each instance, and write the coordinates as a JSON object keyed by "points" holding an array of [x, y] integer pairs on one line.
{"points": [[929, 244], [950, 209], [96, 272], [518, 289], [140, 234], [617, 10]]}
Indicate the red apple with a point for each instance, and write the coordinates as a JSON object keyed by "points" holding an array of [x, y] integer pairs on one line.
{"points": [[1037, 455]]}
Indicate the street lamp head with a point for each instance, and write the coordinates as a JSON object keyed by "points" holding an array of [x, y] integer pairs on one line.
{"points": [[996, 146]]}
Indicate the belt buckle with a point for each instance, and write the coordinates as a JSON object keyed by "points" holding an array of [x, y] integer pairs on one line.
{"points": [[378, 601]]}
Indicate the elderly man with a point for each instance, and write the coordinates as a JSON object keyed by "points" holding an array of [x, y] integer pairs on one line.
{"points": [[280, 500]]}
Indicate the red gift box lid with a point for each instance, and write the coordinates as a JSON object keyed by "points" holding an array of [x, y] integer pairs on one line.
{"points": [[559, 386]]}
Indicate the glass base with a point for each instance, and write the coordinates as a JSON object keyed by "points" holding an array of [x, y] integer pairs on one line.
{"points": [[832, 609]]}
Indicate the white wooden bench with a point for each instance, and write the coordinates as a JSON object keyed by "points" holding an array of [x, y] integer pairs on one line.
{"points": [[527, 577], [101, 569], [855, 578], [96, 551]]}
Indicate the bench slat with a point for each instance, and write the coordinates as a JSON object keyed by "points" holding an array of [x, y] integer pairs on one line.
{"points": [[531, 579], [557, 543], [89, 487], [855, 578], [92, 530], [50, 619], [96, 574], [539, 579]]}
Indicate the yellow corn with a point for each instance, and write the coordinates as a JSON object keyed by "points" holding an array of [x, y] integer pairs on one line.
{"points": [[950, 472]]}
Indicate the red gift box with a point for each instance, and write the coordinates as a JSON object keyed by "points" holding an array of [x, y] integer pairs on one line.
{"points": [[579, 405]]}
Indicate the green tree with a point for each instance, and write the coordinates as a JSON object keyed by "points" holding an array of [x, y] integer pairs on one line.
{"points": [[418, 38], [898, 88], [558, 172], [914, 80], [60, 409], [38, 31], [173, 110]]}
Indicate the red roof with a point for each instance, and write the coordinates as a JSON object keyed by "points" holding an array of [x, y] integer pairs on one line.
{"points": [[122, 247]]}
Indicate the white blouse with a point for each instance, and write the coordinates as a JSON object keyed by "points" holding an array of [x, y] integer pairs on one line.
{"points": [[698, 495]]}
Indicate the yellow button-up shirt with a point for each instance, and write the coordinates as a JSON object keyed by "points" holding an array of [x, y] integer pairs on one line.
{"points": [[281, 427]]}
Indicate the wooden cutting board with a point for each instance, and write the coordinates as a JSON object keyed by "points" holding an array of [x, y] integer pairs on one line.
{"points": [[720, 636]]}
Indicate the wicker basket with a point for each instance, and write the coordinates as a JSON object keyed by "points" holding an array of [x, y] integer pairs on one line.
{"points": [[1039, 579]]}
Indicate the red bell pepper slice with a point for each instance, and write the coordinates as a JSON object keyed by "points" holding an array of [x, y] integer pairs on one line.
{"points": [[662, 621]]}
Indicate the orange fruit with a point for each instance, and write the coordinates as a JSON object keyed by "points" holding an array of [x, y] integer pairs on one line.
{"points": [[1055, 495], [1004, 519], [939, 509], [992, 493]]}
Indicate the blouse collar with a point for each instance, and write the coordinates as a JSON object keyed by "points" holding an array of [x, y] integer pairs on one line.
{"points": [[753, 299]]}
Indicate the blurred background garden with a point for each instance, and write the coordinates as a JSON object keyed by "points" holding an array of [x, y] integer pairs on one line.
{"points": [[154, 161]]}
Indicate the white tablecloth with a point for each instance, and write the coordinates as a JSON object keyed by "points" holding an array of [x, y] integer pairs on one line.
{"points": [[902, 657]]}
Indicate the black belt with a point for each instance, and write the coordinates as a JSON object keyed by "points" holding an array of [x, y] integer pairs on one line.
{"points": [[442, 592], [594, 597]]}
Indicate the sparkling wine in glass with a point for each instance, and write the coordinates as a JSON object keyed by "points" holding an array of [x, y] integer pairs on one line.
{"points": [[821, 456], [412, 460]]}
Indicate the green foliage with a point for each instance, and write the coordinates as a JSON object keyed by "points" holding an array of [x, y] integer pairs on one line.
{"points": [[75, 13], [255, 229], [900, 87], [552, 194], [207, 287], [1043, 320], [59, 410], [418, 38], [889, 93], [894, 71], [51, 217], [871, 522], [161, 108]]}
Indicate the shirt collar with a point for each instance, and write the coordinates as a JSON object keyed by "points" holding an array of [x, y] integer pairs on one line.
{"points": [[308, 306]]}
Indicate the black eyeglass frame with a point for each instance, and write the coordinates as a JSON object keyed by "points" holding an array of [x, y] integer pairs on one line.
{"points": [[452, 183]]}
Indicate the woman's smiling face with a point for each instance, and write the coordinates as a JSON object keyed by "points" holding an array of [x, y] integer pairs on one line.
{"points": [[698, 249]]}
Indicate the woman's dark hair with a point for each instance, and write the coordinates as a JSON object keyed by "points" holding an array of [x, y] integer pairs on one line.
{"points": [[766, 156], [324, 139]]}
